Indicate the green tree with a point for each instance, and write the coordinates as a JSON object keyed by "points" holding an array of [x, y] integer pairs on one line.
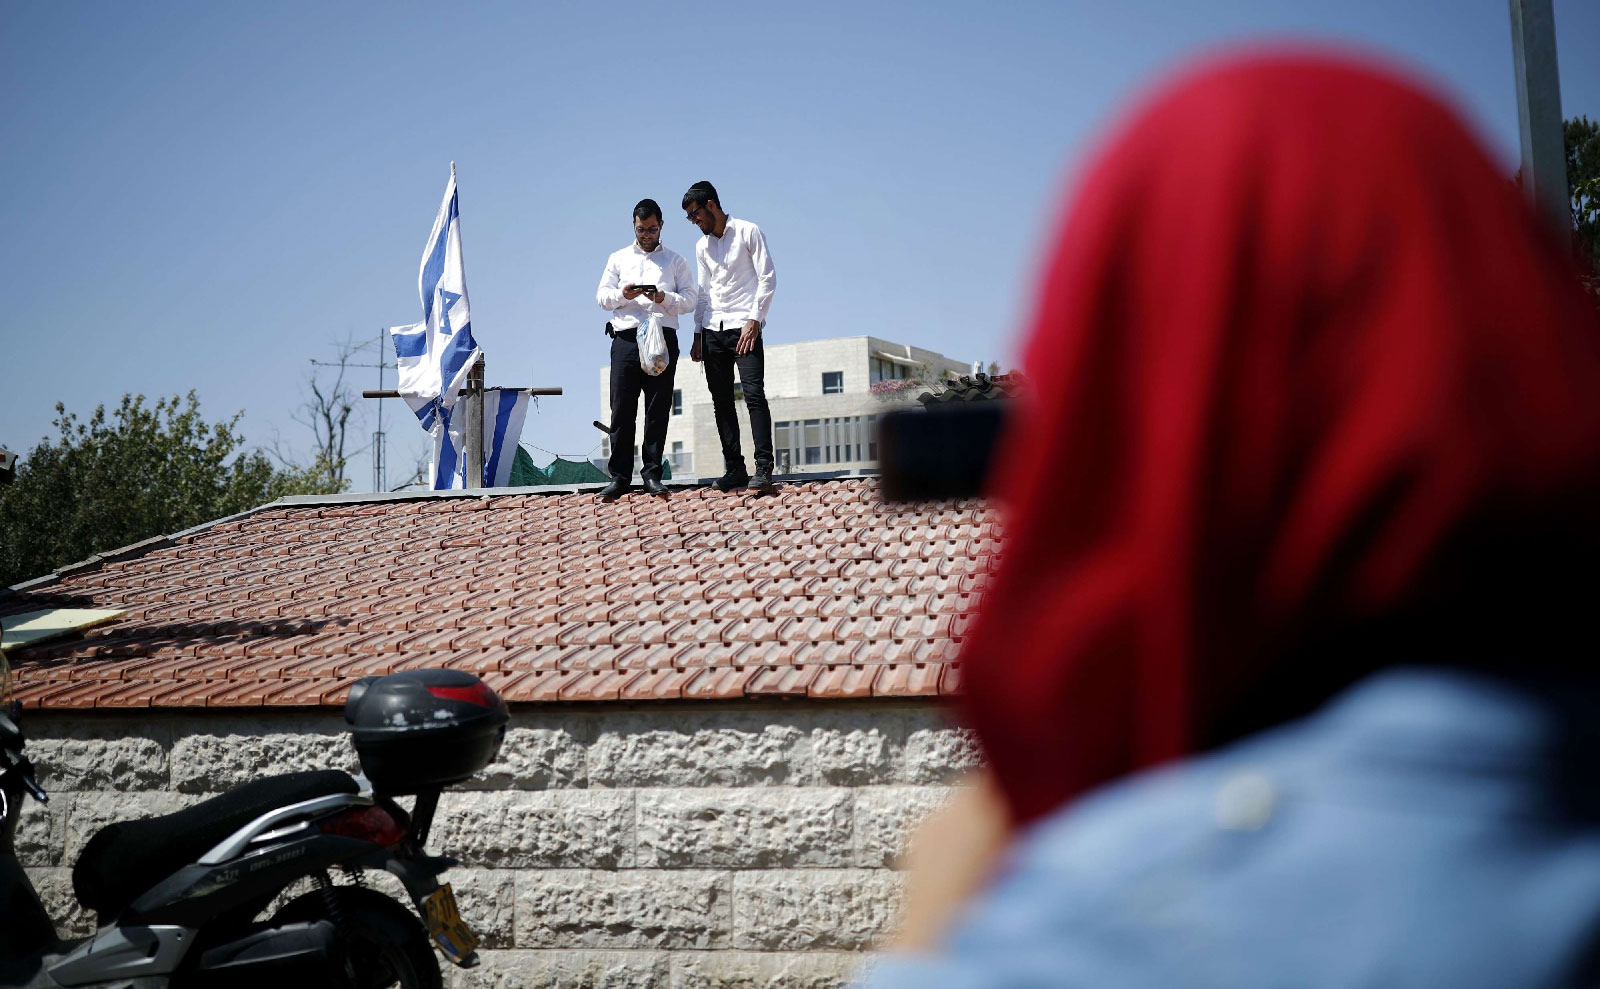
{"points": [[1582, 139], [139, 471]]}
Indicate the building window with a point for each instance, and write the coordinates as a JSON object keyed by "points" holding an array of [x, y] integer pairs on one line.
{"points": [[887, 370], [833, 382], [815, 442], [677, 401]]}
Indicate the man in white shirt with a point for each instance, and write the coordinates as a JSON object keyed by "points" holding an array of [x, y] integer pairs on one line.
{"points": [[641, 280], [736, 286]]}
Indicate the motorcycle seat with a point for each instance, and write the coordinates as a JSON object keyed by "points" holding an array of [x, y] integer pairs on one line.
{"points": [[124, 859]]}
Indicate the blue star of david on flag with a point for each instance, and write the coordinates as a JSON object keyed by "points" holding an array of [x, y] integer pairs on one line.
{"points": [[435, 355]]}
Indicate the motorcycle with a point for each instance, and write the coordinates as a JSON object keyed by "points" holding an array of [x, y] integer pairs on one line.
{"points": [[178, 896]]}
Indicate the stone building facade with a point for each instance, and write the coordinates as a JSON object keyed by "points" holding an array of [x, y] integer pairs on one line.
{"points": [[704, 847]]}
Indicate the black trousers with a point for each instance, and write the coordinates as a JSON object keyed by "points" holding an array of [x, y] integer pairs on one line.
{"points": [[720, 350], [627, 381]]}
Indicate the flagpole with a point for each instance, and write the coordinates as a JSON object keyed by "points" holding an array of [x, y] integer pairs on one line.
{"points": [[472, 396]]}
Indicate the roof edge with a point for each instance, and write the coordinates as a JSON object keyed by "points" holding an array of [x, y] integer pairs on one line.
{"points": [[127, 552], [363, 498]]}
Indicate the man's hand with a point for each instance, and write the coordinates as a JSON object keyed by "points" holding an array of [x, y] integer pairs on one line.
{"points": [[631, 291], [658, 298], [748, 337], [694, 349]]}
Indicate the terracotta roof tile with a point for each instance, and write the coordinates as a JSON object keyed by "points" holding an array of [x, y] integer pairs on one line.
{"points": [[248, 692], [950, 681], [665, 684], [908, 680], [598, 685], [541, 685], [839, 682], [820, 590], [782, 681], [41, 693], [487, 637], [84, 693], [687, 655], [365, 666], [720, 683], [187, 692]]}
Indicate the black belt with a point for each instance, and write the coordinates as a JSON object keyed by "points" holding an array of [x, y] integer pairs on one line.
{"points": [[633, 333]]}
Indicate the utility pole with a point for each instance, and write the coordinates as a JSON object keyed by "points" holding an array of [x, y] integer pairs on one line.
{"points": [[380, 460], [380, 466], [1544, 156]]}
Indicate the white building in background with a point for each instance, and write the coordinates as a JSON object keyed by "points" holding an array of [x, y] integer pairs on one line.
{"points": [[820, 393]]}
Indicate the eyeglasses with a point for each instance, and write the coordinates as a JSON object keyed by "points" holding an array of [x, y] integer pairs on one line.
{"points": [[647, 231], [694, 214]]}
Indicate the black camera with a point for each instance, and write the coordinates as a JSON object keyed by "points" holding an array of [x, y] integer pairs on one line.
{"points": [[942, 451]]}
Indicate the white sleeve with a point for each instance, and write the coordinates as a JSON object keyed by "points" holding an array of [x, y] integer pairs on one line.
{"points": [[766, 277], [702, 304], [609, 295], [686, 299]]}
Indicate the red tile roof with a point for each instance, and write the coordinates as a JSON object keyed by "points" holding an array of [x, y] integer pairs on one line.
{"points": [[820, 590]]}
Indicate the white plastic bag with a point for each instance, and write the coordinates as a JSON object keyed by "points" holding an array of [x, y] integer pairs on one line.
{"points": [[653, 347]]}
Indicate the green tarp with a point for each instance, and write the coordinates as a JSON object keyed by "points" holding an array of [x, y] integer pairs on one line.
{"points": [[560, 471], [525, 474], [523, 471]]}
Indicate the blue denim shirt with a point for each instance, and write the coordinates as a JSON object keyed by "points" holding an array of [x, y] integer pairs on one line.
{"points": [[1428, 828]]}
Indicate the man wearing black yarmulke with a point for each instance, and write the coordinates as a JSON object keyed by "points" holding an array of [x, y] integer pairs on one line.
{"points": [[642, 281], [736, 285]]}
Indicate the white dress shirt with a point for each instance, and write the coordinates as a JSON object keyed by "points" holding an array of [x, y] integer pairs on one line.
{"points": [[665, 269], [736, 277]]}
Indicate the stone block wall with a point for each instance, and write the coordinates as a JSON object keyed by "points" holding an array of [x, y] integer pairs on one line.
{"points": [[697, 846]]}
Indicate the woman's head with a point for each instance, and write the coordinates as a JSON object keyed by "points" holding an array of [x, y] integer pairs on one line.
{"points": [[1312, 394]]}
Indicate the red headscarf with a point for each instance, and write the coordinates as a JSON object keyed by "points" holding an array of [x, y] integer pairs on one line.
{"points": [[1303, 365]]}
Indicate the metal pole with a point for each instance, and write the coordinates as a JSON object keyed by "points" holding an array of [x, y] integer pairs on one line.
{"points": [[391, 393], [1544, 158], [473, 394], [380, 470]]}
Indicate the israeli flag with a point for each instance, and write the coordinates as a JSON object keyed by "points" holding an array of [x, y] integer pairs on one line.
{"points": [[504, 411], [435, 355]]}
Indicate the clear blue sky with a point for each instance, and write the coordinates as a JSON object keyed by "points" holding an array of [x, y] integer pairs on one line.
{"points": [[207, 195]]}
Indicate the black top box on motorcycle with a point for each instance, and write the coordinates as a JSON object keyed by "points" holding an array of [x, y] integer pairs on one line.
{"points": [[424, 729]]}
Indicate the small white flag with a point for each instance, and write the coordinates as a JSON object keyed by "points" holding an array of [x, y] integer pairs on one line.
{"points": [[504, 411]]}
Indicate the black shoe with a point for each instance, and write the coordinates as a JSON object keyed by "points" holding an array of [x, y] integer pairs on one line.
{"points": [[763, 479], [653, 485], [731, 480], [616, 489]]}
